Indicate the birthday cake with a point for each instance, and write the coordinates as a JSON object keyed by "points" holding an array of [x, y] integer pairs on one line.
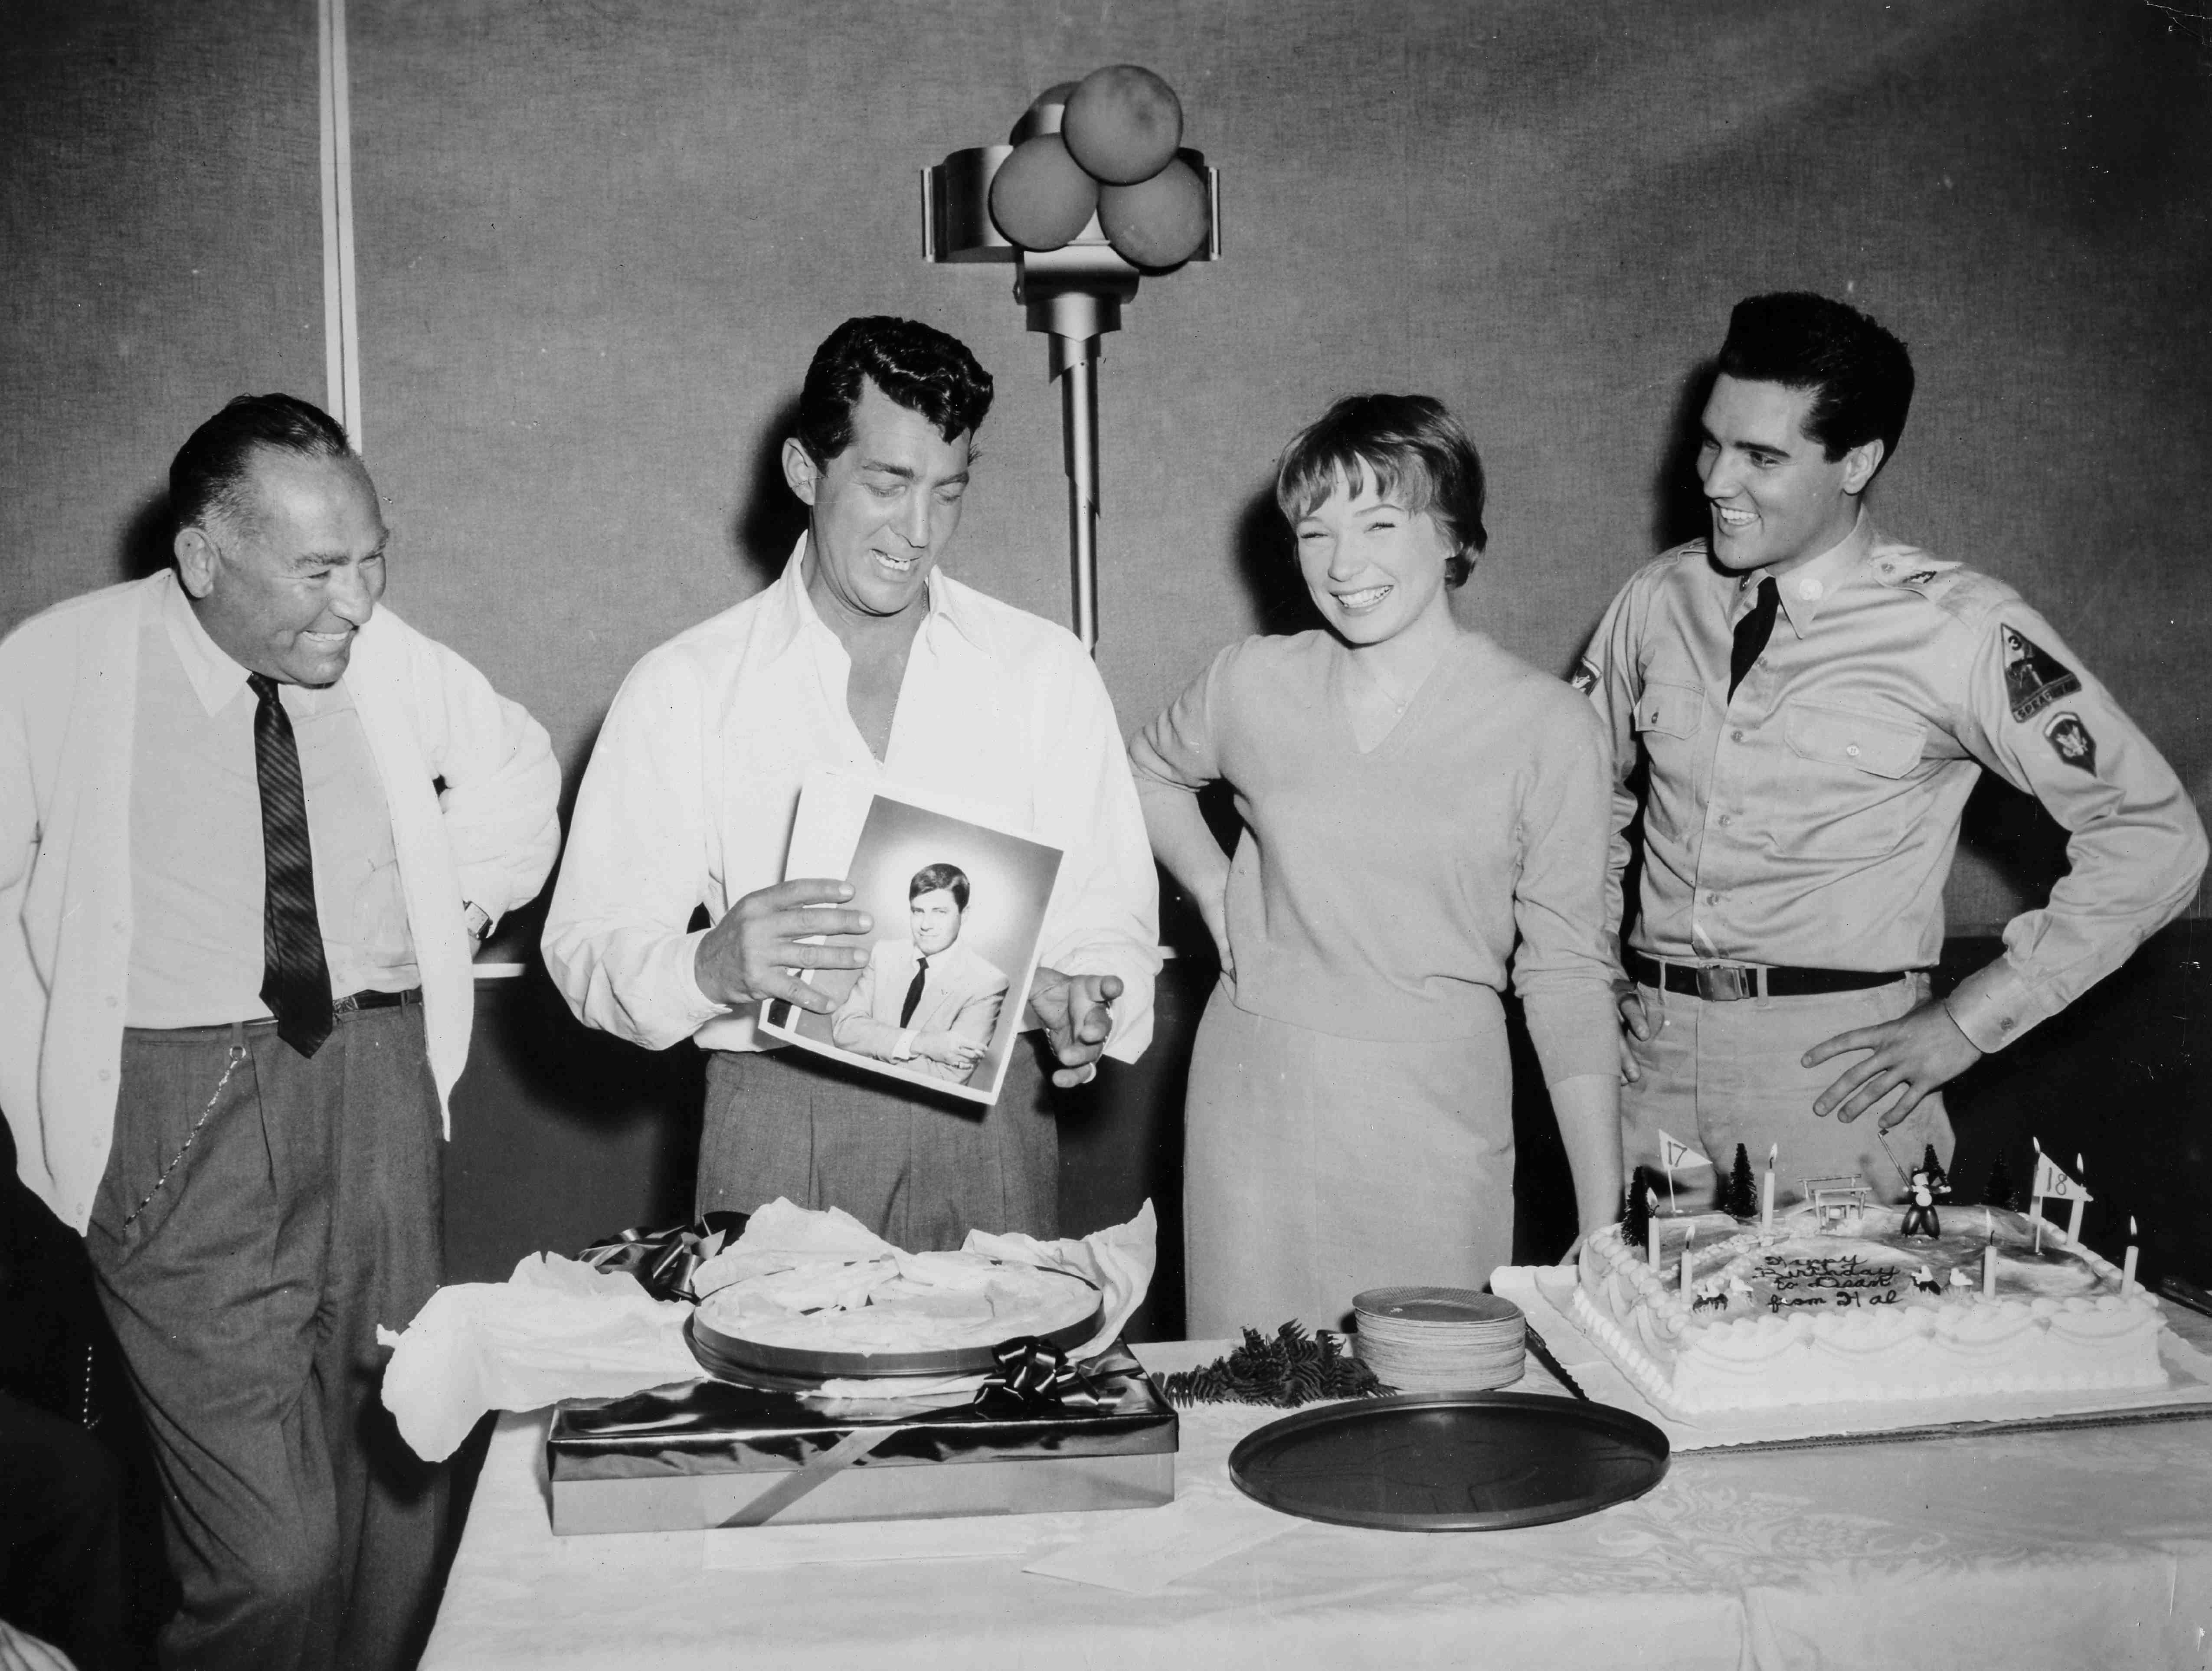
{"points": [[899, 1301], [1819, 1310]]}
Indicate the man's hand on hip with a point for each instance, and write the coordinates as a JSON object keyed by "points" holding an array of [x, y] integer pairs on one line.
{"points": [[1076, 1013], [1907, 1060], [747, 957]]}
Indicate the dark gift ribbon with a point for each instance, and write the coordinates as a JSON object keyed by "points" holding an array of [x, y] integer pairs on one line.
{"points": [[664, 1262], [1034, 1374]]}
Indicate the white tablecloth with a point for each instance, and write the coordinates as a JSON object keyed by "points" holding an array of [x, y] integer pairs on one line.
{"points": [[2088, 1548]]}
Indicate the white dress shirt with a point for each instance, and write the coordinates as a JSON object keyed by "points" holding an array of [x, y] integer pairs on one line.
{"points": [[689, 796], [199, 882]]}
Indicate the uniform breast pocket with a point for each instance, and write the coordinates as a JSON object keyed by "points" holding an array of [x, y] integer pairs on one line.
{"points": [[1667, 710], [1856, 741]]}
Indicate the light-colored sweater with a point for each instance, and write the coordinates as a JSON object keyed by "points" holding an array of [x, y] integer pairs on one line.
{"points": [[1379, 895], [68, 683]]}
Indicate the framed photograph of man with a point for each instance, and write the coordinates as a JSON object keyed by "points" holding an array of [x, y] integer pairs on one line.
{"points": [[958, 907]]}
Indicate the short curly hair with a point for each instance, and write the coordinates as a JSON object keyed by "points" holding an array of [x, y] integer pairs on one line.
{"points": [[1407, 444], [916, 366]]}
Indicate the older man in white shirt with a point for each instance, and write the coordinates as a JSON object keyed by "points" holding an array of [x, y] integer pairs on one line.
{"points": [[867, 657], [250, 827]]}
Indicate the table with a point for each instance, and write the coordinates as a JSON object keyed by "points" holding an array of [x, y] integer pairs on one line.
{"points": [[2089, 1548]]}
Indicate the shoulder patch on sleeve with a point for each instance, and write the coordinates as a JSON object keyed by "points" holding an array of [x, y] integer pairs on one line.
{"points": [[2034, 678], [2071, 741]]}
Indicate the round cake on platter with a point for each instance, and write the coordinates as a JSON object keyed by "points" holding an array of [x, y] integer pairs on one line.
{"points": [[896, 1314]]}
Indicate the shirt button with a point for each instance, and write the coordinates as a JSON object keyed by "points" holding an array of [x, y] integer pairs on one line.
{"points": [[1712, 899], [1735, 737], [1852, 750], [104, 1076], [1725, 822]]}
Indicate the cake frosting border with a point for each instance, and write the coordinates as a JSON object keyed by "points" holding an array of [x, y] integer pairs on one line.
{"points": [[1953, 1351]]}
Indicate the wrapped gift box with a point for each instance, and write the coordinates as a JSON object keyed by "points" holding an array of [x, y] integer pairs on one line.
{"points": [[710, 1453]]}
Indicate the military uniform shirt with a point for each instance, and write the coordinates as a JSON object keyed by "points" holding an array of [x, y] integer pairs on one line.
{"points": [[1810, 820]]}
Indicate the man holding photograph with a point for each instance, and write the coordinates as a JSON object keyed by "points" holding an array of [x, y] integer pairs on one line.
{"points": [[927, 1003], [863, 657]]}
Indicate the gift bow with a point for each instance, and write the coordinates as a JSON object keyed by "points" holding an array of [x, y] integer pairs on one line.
{"points": [[664, 1262], [1033, 1374]]}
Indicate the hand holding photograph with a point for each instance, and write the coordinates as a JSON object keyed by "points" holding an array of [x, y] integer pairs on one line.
{"points": [[958, 907]]}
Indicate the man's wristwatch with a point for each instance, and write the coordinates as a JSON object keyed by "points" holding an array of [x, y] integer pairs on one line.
{"points": [[478, 920]]}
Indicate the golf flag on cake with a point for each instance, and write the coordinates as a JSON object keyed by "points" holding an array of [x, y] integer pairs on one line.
{"points": [[2053, 1183], [1674, 1152]]}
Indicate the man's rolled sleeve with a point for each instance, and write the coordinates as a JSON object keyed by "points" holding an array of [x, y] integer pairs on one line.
{"points": [[618, 940], [1104, 917]]}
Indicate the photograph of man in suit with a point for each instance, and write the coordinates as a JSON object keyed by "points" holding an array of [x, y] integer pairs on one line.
{"points": [[927, 1003]]}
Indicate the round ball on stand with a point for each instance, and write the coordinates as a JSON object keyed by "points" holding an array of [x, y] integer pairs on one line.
{"points": [[1039, 198], [1158, 221], [1123, 124], [1043, 114]]}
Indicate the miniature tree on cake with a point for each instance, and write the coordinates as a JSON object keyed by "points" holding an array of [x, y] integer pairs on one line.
{"points": [[1636, 1211], [1739, 1198], [1998, 1191]]}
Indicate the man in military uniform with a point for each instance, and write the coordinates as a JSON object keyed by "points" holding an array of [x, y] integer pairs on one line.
{"points": [[1815, 700]]}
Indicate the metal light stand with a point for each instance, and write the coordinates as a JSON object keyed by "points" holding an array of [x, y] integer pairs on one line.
{"points": [[1074, 295]]}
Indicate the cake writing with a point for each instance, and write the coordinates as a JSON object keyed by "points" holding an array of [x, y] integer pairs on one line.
{"points": [[1845, 1280]]}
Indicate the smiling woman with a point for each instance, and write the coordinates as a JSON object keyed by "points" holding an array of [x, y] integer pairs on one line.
{"points": [[1414, 799]]}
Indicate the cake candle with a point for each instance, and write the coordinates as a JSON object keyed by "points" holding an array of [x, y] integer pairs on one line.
{"points": [[1766, 1189], [2128, 1264], [1990, 1258], [2081, 1200], [1652, 1251]]}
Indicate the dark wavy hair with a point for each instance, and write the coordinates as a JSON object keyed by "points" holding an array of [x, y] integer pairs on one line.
{"points": [[915, 365], [930, 878], [1410, 447], [207, 476], [1859, 374]]}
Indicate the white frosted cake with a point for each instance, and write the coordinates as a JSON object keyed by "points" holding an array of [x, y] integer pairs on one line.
{"points": [[899, 1301], [1806, 1316]]}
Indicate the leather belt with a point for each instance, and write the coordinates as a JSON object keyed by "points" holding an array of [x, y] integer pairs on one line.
{"points": [[358, 1000], [1724, 983], [377, 1000]]}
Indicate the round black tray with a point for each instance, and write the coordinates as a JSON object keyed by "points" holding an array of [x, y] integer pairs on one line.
{"points": [[1450, 1461], [743, 1359]]}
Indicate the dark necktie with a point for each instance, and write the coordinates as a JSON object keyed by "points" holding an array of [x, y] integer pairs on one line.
{"points": [[1753, 631], [296, 982], [913, 991]]}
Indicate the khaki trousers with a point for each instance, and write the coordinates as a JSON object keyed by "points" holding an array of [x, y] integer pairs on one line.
{"points": [[1717, 1074]]}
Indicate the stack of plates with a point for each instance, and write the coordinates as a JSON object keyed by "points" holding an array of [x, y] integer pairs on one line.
{"points": [[1439, 1339]]}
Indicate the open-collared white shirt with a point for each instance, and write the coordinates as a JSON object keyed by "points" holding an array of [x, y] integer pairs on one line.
{"points": [[695, 779]]}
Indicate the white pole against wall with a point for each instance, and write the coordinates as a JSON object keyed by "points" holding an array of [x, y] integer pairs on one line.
{"points": [[340, 339]]}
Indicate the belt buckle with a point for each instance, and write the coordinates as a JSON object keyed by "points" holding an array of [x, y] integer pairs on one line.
{"points": [[1725, 983]]}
